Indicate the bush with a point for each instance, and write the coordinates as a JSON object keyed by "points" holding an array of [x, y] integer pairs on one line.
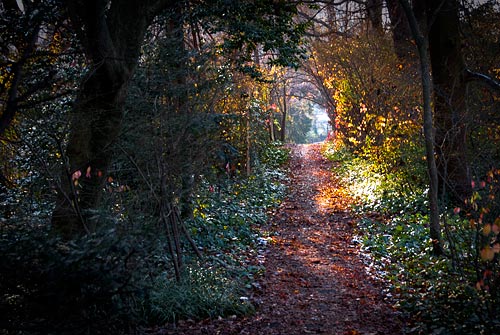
{"points": [[275, 155], [202, 293], [85, 286], [121, 276], [456, 294]]}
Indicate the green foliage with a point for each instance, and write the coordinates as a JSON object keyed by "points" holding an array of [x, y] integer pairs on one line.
{"points": [[376, 99], [121, 276], [224, 226], [116, 279], [371, 183], [275, 155], [456, 294], [227, 213], [202, 293], [436, 295], [87, 286], [247, 24]]}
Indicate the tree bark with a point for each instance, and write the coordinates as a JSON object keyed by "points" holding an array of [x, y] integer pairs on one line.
{"points": [[425, 68], [111, 34], [374, 12], [401, 34], [449, 77], [11, 105], [284, 113]]}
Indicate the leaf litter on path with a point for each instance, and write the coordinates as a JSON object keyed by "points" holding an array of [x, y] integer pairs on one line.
{"points": [[315, 280]]}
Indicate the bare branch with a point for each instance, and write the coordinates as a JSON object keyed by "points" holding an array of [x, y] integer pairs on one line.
{"points": [[476, 76]]}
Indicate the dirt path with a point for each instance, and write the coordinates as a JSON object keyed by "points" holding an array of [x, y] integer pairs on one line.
{"points": [[315, 282]]}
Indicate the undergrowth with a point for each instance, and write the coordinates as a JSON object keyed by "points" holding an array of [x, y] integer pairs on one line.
{"points": [[119, 280], [454, 294], [225, 228], [203, 292]]}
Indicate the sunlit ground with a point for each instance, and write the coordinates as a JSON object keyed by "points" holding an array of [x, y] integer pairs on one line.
{"points": [[317, 269]]}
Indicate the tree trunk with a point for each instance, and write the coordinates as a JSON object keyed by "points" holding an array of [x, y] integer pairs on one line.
{"points": [[112, 38], [249, 142], [95, 125], [449, 76], [10, 109], [401, 34], [374, 12], [284, 114], [425, 67]]}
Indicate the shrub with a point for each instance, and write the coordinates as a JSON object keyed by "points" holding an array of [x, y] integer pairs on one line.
{"points": [[85, 286], [202, 293], [456, 294]]}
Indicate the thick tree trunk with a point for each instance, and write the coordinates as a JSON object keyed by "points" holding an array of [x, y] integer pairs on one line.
{"points": [[448, 72], [111, 34], [374, 12], [95, 125], [401, 34]]}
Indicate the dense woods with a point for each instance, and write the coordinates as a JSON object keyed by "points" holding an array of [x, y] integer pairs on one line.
{"points": [[142, 145]]}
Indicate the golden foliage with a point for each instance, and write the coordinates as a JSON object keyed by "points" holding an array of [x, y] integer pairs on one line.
{"points": [[376, 97]]}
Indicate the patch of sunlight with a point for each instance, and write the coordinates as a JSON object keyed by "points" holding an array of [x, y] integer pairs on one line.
{"points": [[332, 197], [365, 189]]}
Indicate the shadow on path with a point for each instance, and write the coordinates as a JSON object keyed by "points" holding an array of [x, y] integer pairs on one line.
{"points": [[315, 281]]}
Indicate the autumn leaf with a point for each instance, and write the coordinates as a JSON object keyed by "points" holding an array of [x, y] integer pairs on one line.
{"points": [[487, 253], [496, 248], [76, 175], [472, 223], [495, 229], [479, 285]]}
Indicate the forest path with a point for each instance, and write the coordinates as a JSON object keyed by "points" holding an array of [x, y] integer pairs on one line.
{"points": [[315, 280]]}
